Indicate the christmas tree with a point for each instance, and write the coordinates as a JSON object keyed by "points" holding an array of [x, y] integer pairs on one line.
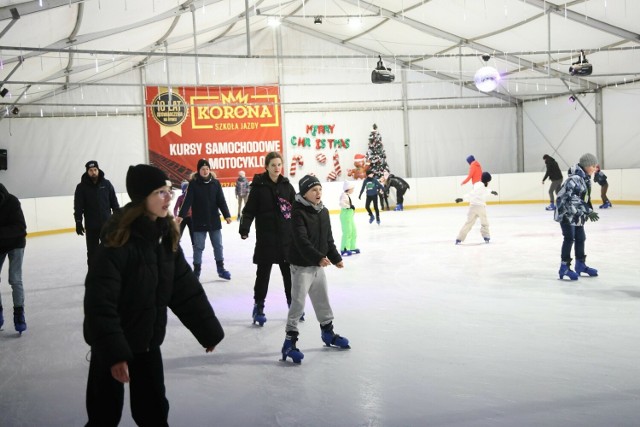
{"points": [[376, 157]]}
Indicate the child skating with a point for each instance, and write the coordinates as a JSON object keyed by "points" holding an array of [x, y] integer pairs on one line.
{"points": [[573, 210], [477, 209], [347, 212], [372, 186], [313, 249]]}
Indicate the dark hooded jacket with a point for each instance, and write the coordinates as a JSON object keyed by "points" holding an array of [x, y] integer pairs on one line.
{"points": [[13, 228], [312, 236], [396, 182], [206, 201], [270, 204], [553, 170], [128, 290], [95, 201]]}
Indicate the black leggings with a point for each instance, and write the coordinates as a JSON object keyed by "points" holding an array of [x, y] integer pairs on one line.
{"points": [[263, 274], [105, 395], [367, 205]]}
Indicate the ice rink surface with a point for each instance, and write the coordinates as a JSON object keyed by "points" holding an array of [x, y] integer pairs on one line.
{"points": [[474, 335]]}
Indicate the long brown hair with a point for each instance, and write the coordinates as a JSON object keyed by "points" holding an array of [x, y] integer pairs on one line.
{"points": [[270, 156], [122, 232]]}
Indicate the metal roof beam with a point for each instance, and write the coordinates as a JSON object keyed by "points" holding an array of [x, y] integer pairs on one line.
{"points": [[585, 20]]}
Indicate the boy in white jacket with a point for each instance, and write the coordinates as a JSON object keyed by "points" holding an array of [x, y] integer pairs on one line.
{"points": [[477, 208]]}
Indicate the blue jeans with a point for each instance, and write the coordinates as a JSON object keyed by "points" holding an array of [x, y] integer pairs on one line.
{"points": [[15, 274], [199, 238], [571, 234]]}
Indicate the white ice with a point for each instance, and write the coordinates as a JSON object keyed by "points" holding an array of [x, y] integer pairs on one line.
{"points": [[442, 335]]}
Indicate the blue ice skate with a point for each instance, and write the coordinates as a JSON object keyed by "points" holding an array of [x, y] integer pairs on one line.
{"points": [[581, 267], [289, 348], [258, 314], [565, 270], [331, 339], [18, 320]]}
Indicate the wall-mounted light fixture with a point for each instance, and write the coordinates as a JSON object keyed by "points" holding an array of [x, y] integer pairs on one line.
{"points": [[4, 91]]}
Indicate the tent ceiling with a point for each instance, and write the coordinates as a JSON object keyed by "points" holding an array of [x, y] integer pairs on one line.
{"points": [[59, 44]]}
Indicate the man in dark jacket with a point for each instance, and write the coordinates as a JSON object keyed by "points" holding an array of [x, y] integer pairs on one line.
{"points": [[401, 187], [95, 199], [555, 175], [13, 230], [206, 200]]}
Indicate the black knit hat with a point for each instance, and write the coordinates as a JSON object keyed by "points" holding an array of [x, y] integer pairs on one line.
{"points": [[91, 164], [203, 162], [486, 177], [307, 182], [143, 179]]}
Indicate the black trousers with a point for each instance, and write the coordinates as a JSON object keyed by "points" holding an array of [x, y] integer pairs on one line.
{"points": [[263, 274], [92, 236], [105, 395], [372, 199], [400, 196], [186, 222]]}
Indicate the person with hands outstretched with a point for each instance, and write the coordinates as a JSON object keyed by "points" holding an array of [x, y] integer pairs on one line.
{"points": [[477, 209], [312, 249], [139, 272], [573, 210]]}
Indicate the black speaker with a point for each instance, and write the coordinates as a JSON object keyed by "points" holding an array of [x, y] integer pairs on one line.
{"points": [[3, 159]]}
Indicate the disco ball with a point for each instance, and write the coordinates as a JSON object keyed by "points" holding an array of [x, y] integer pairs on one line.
{"points": [[486, 79]]}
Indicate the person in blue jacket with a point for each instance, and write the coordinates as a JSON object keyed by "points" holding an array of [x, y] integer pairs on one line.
{"points": [[600, 178], [373, 187]]}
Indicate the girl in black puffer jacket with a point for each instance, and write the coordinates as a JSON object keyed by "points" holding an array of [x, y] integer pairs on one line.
{"points": [[140, 270]]}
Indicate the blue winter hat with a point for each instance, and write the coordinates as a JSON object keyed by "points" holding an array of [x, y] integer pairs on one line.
{"points": [[184, 185], [470, 159]]}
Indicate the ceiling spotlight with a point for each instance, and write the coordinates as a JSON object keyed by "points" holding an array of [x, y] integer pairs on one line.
{"points": [[572, 99], [581, 67], [317, 20], [15, 111], [4, 91], [486, 78], [382, 74]]}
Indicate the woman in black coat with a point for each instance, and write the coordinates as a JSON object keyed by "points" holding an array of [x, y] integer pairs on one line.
{"points": [[270, 200], [140, 270]]}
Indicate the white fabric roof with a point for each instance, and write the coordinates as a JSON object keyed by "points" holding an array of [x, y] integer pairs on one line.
{"points": [[47, 47]]}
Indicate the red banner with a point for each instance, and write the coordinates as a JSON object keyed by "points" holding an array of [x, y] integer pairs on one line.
{"points": [[232, 127]]}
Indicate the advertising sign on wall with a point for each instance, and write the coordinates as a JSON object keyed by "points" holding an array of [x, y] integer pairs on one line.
{"points": [[232, 127]]}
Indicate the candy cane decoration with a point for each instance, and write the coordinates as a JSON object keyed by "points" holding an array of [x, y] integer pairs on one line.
{"points": [[332, 176], [321, 158], [336, 164], [295, 162]]}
